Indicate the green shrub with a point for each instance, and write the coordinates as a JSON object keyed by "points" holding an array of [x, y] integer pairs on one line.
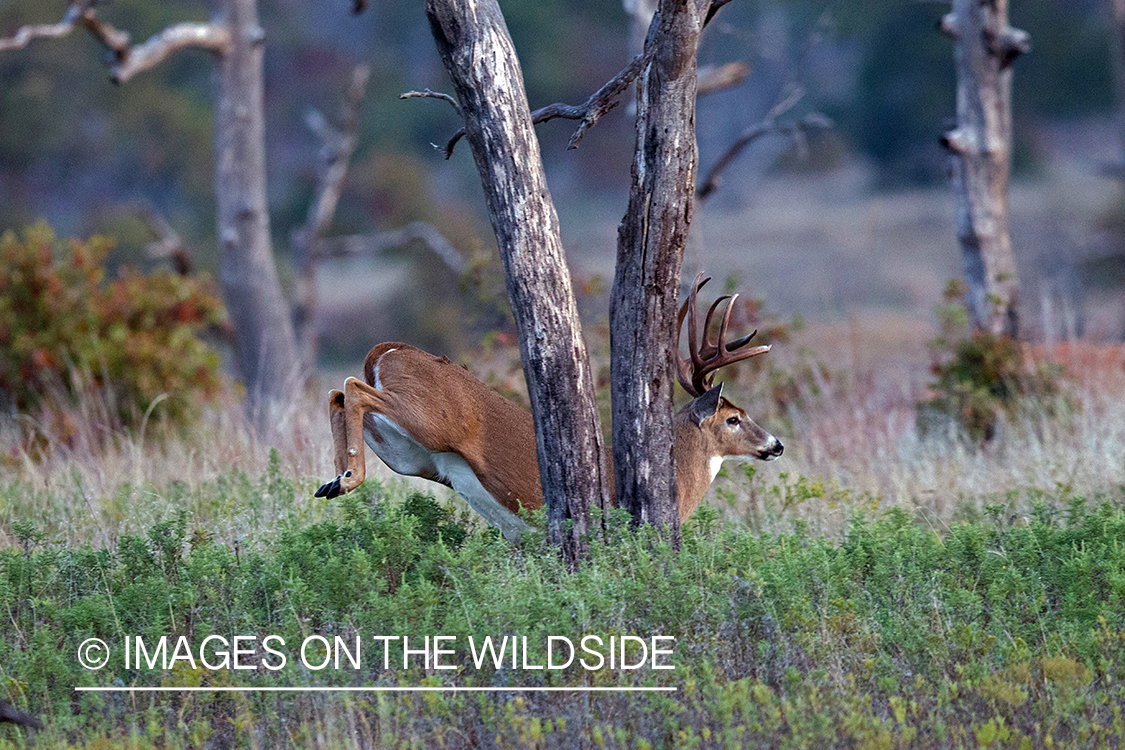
{"points": [[980, 375], [890, 636], [67, 333]]}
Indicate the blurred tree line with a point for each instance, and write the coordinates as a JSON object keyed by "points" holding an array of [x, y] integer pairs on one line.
{"points": [[76, 150]]}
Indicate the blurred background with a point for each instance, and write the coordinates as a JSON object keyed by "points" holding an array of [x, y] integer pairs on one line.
{"points": [[853, 223]]}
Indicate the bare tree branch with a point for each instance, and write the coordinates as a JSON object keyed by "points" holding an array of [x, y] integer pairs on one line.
{"points": [[168, 244], [790, 93], [127, 60], [795, 130], [81, 13], [716, 78], [142, 57], [433, 95], [374, 244], [715, 6], [25, 34], [589, 112], [603, 100], [337, 144]]}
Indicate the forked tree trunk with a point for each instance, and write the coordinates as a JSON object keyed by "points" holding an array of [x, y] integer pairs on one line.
{"points": [[478, 54], [650, 249], [984, 48], [265, 345]]}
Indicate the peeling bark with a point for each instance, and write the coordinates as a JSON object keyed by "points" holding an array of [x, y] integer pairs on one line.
{"points": [[980, 165], [650, 250], [477, 51]]}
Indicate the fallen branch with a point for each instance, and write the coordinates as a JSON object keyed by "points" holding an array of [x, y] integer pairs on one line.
{"points": [[12, 715]]}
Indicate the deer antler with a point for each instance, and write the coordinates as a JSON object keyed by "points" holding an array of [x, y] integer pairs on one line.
{"points": [[696, 373]]}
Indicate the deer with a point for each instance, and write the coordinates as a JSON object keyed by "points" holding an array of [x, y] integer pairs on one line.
{"points": [[427, 417]]}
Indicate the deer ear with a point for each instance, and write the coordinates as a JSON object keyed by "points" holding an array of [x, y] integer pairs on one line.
{"points": [[706, 405]]}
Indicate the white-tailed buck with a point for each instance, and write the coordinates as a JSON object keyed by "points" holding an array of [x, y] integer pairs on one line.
{"points": [[427, 417]]}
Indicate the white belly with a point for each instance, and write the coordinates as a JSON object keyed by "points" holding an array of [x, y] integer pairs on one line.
{"points": [[405, 455]]}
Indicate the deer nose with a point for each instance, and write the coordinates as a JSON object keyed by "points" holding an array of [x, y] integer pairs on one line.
{"points": [[776, 449]]}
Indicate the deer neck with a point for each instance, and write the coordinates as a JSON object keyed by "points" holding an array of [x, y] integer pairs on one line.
{"points": [[697, 463]]}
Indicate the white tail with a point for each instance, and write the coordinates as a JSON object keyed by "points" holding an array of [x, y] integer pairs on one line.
{"points": [[425, 416]]}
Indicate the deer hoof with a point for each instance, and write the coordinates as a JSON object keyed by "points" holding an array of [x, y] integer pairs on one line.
{"points": [[330, 489]]}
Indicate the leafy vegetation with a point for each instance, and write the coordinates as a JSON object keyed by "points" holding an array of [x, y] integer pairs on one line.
{"points": [[66, 333], [980, 376], [998, 633]]}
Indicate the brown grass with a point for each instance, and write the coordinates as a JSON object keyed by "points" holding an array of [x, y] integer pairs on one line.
{"points": [[857, 439]]}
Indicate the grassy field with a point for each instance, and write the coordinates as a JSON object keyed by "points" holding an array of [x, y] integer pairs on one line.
{"points": [[873, 589]]}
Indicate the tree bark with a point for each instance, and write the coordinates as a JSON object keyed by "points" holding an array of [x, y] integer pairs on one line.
{"points": [[981, 147], [477, 51], [1119, 70], [650, 249], [265, 345]]}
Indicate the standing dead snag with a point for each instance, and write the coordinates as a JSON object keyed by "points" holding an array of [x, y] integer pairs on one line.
{"points": [[477, 51], [650, 249], [265, 346], [981, 146]]}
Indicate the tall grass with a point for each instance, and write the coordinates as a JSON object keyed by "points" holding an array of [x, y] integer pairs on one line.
{"points": [[851, 444]]}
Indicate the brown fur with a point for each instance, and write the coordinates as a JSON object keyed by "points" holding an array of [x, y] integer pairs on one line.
{"points": [[447, 410]]}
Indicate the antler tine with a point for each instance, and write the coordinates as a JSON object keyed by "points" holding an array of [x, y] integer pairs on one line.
{"points": [[686, 368], [727, 354], [742, 341], [724, 324], [693, 339], [709, 347]]}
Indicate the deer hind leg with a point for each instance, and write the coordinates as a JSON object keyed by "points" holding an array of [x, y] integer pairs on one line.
{"points": [[345, 413]]}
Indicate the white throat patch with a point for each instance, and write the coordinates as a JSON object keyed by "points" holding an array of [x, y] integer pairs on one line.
{"points": [[715, 464]]}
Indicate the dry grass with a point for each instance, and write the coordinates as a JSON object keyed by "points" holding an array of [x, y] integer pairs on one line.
{"points": [[857, 439]]}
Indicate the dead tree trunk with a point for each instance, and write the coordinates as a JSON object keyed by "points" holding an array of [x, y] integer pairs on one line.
{"points": [[265, 347], [650, 249], [265, 344], [1119, 70], [477, 51], [981, 146]]}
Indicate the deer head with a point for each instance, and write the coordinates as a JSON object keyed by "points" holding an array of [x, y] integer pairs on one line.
{"points": [[726, 430]]}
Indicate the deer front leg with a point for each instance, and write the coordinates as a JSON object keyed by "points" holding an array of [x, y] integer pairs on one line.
{"points": [[345, 411], [359, 398], [336, 418]]}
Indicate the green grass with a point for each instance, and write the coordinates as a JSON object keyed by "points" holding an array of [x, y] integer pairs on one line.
{"points": [[1003, 631]]}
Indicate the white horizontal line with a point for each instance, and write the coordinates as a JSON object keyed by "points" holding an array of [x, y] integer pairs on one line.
{"points": [[453, 689]]}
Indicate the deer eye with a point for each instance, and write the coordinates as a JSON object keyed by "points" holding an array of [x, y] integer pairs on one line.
{"points": [[732, 421]]}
